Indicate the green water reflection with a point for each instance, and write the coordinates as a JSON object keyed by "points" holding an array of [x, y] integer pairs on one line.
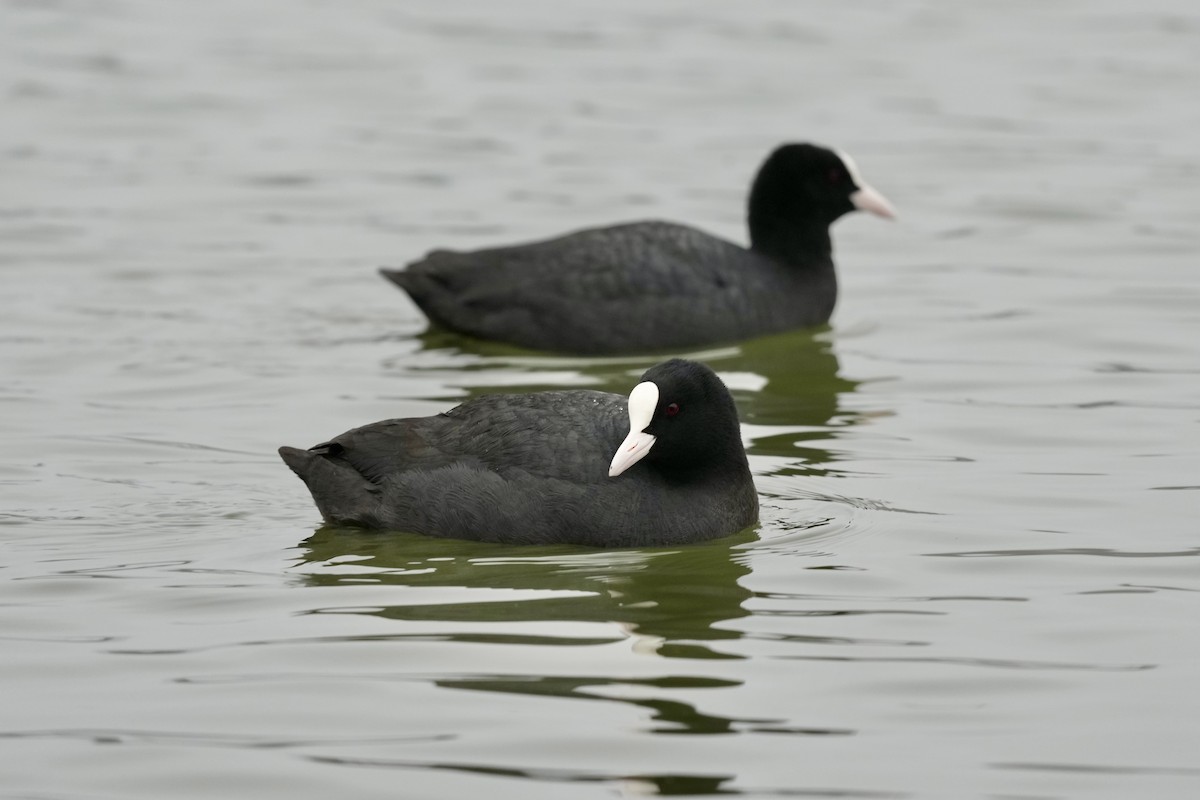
{"points": [[677, 598], [792, 380], [672, 604]]}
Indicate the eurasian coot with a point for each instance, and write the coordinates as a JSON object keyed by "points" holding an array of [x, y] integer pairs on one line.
{"points": [[664, 467], [658, 286]]}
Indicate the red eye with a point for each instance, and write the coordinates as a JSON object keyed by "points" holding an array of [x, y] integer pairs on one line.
{"points": [[672, 409], [835, 174]]}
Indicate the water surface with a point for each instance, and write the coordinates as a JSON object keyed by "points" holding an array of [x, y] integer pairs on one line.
{"points": [[976, 573]]}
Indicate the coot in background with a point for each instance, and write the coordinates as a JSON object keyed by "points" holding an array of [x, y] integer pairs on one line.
{"points": [[583, 467], [656, 286]]}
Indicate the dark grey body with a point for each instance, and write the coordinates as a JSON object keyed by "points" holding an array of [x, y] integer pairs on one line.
{"points": [[522, 469], [644, 286]]}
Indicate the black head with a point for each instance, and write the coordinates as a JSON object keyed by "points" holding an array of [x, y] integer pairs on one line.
{"points": [[800, 190], [692, 419]]}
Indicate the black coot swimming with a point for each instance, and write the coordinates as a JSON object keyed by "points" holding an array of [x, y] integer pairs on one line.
{"points": [[658, 286], [665, 466]]}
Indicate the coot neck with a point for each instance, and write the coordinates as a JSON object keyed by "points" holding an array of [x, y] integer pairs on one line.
{"points": [[794, 235], [721, 463]]}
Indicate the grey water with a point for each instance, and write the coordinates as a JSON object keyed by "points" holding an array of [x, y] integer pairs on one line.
{"points": [[977, 573]]}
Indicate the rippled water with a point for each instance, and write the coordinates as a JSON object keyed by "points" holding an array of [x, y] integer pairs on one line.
{"points": [[976, 573]]}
